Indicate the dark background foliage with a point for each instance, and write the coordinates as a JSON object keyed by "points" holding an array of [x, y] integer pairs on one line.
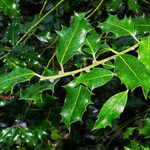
{"points": [[34, 54]]}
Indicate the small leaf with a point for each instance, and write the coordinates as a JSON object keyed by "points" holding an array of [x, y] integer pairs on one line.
{"points": [[76, 101], [93, 43], [132, 73], [144, 52], [71, 40], [111, 110], [44, 37], [142, 24], [34, 91], [17, 135], [122, 27], [145, 129], [95, 78], [133, 5], [115, 5], [10, 8], [128, 132], [14, 77]]}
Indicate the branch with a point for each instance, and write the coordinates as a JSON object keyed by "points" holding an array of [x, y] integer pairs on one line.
{"points": [[52, 78]]}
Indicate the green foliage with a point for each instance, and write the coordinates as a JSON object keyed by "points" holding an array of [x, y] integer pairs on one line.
{"points": [[105, 68], [75, 103], [130, 74], [71, 40], [111, 110], [16, 76], [10, 8]]}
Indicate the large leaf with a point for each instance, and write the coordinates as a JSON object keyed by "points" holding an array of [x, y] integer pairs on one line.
{"points": [[10, 7], [34, 92], [118, 27], [144, 52], [17, 135], [77, 99], [71, 40], [95, 78], [145, 129], [132, 72], [111, 110], [93, 43], [16, 76]]}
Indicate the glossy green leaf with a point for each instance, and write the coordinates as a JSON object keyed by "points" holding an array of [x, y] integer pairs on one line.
{"points": [[10, 8], [76, 101], [111, 110], [132, 72], [144, 52], [145, 129], [122, 27], [133, 5], [16, 76], [34, 91], [115, 5], [95, 78], [93, 43], [17, 135], [71, 40], [142, 25]]}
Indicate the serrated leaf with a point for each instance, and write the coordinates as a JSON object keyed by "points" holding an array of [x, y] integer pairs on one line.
{"points": [[142, 24], [95, 78], [111, 110], [76, 101], [44, 37], [12, 33], [122, 27], [145, 129], [93, 43], [10, 8], [133, 5], [132, 73], [128, 132], [71, 40], [16, 76], [34, 91], [115, 5], [144, 52], [17, 135]]}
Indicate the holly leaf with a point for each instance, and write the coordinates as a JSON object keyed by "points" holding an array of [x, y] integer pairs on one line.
{"points": [[115, 5], [95, 78], [128, 132], [144, 52], [132, 73], [18, 75], [76, 101], [111, 110], [34, 91], [71, 40], [10, 8], [142, 25], [133, 5], [12, 33], [17, 135], [122, 27], [145, 129], [93, 43]]}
